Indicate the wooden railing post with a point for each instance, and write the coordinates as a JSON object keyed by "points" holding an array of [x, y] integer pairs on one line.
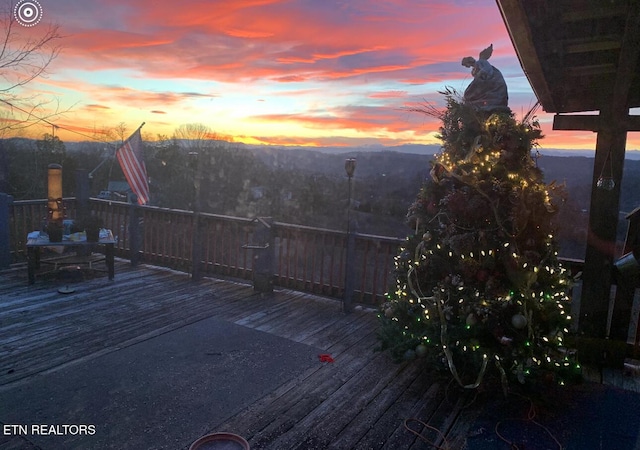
{"points": [[196, 252], [82, 193], [196, 273], [5, 235], [82, 203], [134, 232], [263, 254]]}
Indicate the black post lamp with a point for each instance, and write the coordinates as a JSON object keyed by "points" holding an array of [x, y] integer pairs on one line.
{"points": [[350, 168]]}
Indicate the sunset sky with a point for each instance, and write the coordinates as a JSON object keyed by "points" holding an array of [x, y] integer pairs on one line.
{"points": [[280, 72]]}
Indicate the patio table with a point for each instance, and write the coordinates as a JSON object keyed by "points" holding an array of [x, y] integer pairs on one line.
{"points": [[36, 243]]}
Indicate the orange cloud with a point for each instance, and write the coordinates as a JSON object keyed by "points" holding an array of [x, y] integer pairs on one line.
{"points": [[361, 119], [388, 94], [94, 107], [85, 130], [322, 141]]}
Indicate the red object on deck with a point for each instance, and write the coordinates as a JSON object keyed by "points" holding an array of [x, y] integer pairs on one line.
{"points": [[325, 357]]}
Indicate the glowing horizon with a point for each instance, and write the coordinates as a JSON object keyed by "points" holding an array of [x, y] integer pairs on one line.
{"points": [[274, 72]]}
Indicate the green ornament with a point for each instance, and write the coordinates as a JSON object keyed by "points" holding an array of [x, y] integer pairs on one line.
{"points": [[518, 321]]}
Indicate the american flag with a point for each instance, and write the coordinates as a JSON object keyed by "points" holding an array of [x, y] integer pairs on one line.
{"points": [[131, 161]]}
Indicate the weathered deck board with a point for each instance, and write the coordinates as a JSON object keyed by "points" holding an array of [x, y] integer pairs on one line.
{"points": [[372, 426], [359, 401]]}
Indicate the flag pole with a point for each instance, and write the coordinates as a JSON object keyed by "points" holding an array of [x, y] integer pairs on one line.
{"points": [[137, 129], [130, 136]]}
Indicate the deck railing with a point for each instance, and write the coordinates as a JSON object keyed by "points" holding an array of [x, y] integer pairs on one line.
{"points": [[305, 258]]}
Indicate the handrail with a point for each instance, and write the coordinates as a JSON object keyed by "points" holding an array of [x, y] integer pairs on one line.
{"points": [[306, 258]]}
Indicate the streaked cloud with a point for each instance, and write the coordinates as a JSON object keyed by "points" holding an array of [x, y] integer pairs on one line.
{"points": [[388, 94], [285, 72]]}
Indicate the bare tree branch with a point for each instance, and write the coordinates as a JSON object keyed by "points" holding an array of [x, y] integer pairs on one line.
{"points": [[194, 135], [25, 55]]}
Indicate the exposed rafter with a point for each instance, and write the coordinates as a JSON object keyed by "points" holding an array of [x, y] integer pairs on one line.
{"points": [[579, 55]]}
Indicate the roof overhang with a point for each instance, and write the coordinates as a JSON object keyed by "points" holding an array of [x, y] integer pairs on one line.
{"points": [[579, 55]]}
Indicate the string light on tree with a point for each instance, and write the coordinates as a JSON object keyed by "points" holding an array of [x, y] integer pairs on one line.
{"points": [[479, 280]]}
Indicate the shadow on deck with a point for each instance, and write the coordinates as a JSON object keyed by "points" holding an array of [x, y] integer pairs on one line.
{"points": [[154, 360]]}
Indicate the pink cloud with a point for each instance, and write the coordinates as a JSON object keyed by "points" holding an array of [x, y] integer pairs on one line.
{"points": [[247, 33], [251, 40]]}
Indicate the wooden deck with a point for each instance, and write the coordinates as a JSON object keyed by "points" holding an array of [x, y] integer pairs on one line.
{"points": [[359, 401]]}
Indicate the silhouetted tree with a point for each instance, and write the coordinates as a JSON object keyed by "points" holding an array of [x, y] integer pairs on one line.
{"points": [[24, 56]]}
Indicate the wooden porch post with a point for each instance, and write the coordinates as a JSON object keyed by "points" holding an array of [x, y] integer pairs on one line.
{"points": [[612, 126], [603, 225]]}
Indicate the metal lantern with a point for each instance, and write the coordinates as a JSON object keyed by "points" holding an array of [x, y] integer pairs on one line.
{"points": [[629, 264], [54, 194], [350, 166]]}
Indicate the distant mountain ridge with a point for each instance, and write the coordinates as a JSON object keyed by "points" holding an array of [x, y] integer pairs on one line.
{"points": [[573, 169], [415, 149], [424, 149]]}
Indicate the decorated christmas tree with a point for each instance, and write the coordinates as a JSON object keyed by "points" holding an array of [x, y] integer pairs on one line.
{"points": [[479, 288]]}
